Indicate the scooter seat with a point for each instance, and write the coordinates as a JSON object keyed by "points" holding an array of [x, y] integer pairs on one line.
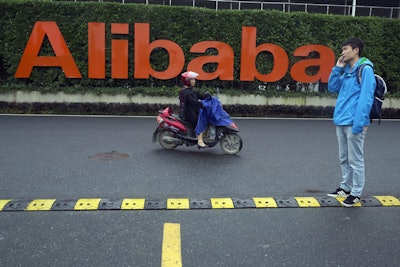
{"points": [[176, 116]]}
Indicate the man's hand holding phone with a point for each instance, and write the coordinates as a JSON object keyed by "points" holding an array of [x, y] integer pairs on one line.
{"points": [[341, 63]]}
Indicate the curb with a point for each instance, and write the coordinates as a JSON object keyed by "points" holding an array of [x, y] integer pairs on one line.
{"points": [[251, 99]]}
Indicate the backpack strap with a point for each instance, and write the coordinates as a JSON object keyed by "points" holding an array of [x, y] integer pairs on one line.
{"points": [[359, 72], [361, 67]]}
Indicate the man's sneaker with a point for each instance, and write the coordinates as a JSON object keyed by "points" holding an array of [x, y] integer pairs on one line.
{"points": [[350, 201], [339, 193]]}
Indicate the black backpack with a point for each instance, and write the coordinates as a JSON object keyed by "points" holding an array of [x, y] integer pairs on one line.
{"points": [[379, 95]]}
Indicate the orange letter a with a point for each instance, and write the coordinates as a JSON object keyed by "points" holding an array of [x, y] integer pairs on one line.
{"points": [[31, 58]]}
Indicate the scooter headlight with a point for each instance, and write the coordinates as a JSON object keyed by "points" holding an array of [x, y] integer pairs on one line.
{"points": [[159, 119]]}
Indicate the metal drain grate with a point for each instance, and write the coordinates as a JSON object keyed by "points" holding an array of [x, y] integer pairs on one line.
{"points": [[113, 155]]}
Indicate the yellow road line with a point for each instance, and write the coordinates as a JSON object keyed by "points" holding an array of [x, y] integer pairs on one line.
{"points": [[171, 246]]}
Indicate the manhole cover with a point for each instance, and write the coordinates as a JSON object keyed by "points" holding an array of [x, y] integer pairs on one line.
{"points": [[114, 155]]}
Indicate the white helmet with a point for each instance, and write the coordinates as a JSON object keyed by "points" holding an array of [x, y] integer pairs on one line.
{"points": [[187, 76]]}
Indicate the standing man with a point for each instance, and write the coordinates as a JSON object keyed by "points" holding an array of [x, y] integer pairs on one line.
{"points": [[351, 117]]}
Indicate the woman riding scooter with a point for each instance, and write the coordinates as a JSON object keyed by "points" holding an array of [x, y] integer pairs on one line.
{"points": [[190, 104]]}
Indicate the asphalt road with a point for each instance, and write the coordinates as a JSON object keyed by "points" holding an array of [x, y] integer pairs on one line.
{"points": [[55, 157]]}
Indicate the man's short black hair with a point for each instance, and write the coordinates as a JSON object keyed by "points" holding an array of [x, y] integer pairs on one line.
{"points": [[355, 43]]}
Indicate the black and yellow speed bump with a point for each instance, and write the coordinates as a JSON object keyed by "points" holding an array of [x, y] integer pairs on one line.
{"points": [[87, 204]]}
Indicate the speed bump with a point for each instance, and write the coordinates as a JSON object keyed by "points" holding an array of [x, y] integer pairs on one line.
{"points": [[370, 202], [307, 202], [104, 204], [178, 203], [287, 203], [341, 199], [243, 203], [16, 205], [222, 203], [87, 204], [200, 203], [109, 204], [388, 200], [155, 204], [133, 204], [64, 205], [328, 202], [265, 202], [40, 204], [3, 203]]}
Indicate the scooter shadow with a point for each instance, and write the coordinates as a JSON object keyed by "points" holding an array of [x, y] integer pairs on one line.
{"points": [[194, 153]]}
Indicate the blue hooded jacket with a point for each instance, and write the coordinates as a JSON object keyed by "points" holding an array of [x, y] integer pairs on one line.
{"points": [[355, 100], [212, 113]]}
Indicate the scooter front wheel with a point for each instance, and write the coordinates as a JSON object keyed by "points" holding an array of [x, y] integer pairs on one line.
{"points": [[164, 141], [231, 143]]}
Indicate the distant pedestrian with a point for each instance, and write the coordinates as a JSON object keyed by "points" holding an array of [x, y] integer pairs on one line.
{"points": [[351, 117]]}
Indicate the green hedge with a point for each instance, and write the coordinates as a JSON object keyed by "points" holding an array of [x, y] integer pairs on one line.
{"points": [[185, 26]]}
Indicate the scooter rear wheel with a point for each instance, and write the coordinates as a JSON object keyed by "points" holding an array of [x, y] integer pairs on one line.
{"points": [[231, 143], [166, 145]]}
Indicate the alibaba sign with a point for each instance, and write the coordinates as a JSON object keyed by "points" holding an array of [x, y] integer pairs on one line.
{"points": [[143, 48]]}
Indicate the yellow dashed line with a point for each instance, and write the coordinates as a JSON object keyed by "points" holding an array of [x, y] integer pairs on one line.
{"points": [[171, 246]]}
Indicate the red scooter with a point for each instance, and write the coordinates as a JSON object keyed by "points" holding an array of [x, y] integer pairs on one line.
{"points": [[172, 132]]}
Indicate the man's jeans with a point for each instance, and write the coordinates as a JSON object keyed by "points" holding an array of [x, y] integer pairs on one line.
{"points": [[351, 156]]}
